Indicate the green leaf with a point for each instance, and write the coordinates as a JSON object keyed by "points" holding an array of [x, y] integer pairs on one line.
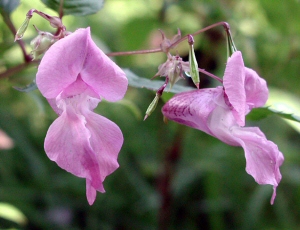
{"points": [[28, 88], [10, 212], [282, 104], [260, 113], [76, 7], [9, 6], [139, 82]]}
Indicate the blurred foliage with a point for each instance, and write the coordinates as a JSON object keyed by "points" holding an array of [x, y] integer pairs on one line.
{"points": [[208, 187], [75, 7]]}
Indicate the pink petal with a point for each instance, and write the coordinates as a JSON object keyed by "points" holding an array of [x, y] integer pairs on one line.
{"points": [[102, 74], [262, 156], [192, 108], [68, 144], [77, 55], [91, 192], [206, 110], [106, 140], [62, 63], [257, 92], [234, 80]]}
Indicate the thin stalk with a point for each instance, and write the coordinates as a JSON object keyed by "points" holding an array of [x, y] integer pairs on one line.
{"points": [[61, 9], [10, 25], [134, 52], [172, 157], [10, 72], [210, 75], [224, 24]]}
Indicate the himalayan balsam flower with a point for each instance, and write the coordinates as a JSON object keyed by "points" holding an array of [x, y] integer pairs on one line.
{"points": [[220, 112], [74, 75]]}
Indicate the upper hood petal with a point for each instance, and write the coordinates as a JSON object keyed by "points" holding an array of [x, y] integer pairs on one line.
{"points": [[62, 63], [234, 81], [105, 77], [257, 92]]}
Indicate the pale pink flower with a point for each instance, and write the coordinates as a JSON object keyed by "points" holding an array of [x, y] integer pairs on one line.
{"points": [[74, 75], [221, 111]]}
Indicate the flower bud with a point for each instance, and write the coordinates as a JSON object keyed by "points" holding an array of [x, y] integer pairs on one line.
{"points": [[194, 72], [42, 43], [152, 105], [22, 29]]}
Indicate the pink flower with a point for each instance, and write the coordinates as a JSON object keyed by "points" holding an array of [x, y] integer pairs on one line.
{"points": [[220, 112], [74, 75]]}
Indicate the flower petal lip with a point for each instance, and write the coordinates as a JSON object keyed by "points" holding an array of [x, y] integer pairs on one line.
{"points": [[84, 143], [77, 55]]}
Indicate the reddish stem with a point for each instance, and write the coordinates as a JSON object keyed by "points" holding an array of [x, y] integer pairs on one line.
{"points": [[18, 68], [172, 156], [10, 25]]}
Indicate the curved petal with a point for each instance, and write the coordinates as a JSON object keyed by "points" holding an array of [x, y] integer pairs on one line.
{"points": [[263, 158], [106, 140], [234, 81], [91, 192], [192, 108], [106, 78], [62, 63], [68, 144], [257, 92]]}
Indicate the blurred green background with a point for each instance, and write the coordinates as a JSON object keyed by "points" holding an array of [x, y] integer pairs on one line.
{"points": [[170, 176]]}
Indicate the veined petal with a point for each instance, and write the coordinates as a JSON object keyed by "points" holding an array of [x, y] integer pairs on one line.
{"points": [[106, 140], [234, 81], [192, 108], [263, 158], [68, 144], [62, 63], [257, 92], [106, 78]]}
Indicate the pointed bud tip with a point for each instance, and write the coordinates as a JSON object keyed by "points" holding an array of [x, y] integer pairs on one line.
{"points": [[197, 85], [17, 37], [190, 39], [146, 116]]}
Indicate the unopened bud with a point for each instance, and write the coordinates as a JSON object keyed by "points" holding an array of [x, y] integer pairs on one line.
{"points": [[152, 106], [55, 22], [175, 72], [194, 72], [22, 29], [41, 43]]}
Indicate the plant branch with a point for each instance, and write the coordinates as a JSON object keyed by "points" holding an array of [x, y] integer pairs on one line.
{"points": [[10, 25], [172, 156], [134, 52], [61, 9], [224, 24], [16, 69]]}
